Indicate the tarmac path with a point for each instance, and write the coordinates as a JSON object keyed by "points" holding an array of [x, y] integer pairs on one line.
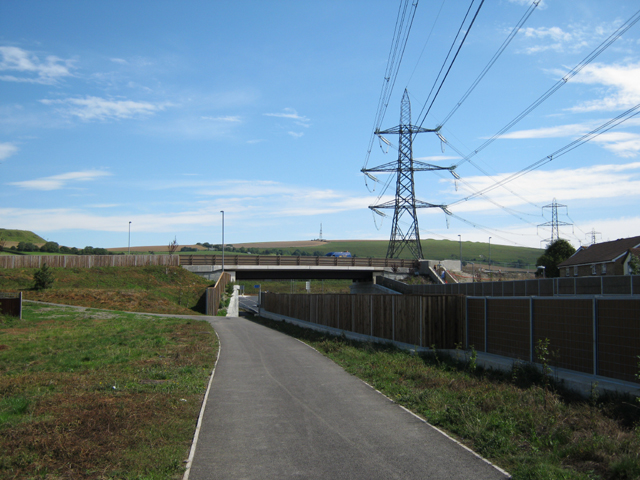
{"points": [[277, 409]]}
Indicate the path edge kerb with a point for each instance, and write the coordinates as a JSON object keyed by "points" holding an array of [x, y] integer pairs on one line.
{"points": [[196, 434]]}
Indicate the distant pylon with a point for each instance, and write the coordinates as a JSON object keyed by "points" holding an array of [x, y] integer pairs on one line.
{"points": [[320, 232], [554, 223], [593, 234], [405, 204]]}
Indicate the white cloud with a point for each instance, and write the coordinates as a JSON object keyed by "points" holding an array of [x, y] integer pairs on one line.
{"points": [[6, 150], [229, 118], [57, 182], [572, 38], [95, 108], [30, 68], [588, 184], [296, 134], [290, 113], [623, 82]]}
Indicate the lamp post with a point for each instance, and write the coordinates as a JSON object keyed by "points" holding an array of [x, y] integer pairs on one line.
{"points": [[460, 238], [222, 211], [129, 247], [489, 254]]}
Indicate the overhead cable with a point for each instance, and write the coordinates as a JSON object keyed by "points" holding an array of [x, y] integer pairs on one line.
{"points": [[572, 73]]}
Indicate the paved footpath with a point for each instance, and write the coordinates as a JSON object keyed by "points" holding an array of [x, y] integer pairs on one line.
{"points": [[278, 409]]}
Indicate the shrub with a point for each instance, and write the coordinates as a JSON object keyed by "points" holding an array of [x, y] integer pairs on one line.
{"points": [[43, 278], [50, 247]]}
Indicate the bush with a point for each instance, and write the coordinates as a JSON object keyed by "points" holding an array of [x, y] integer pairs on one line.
{"points": [[43, 278], [50, 247], [27, 247]]}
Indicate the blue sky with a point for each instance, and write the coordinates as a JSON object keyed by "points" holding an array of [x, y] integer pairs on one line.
{"points": [[165, 113]]}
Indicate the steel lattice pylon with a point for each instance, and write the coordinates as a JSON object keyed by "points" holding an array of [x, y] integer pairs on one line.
{"points": [[405, 203], [554, 223]]}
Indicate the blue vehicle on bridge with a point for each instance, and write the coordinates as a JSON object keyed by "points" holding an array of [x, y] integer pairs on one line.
{"points": [[338, 254]]}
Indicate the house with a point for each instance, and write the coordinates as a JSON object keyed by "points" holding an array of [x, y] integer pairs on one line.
{"points": [[606, 258]]}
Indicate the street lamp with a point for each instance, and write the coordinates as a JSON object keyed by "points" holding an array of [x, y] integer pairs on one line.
{"points": [[460, 238], [129, 247], [489, 253], [222, 211]]}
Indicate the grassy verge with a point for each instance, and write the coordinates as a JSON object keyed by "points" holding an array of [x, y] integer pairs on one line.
{"points": [[153, 289], [514, 420], [96, 395], [295, 286]]}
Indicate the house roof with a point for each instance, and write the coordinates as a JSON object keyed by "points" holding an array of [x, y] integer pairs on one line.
{"points": [[601, 252]]}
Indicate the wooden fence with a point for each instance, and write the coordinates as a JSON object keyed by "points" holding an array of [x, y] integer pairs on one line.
{"points": [[593, 335], [87, 261], [214, 294], [11, 304], [599, 336], [412, 319], [543, 287]]}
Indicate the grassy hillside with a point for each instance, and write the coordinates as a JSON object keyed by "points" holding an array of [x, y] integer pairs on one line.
{"points": [[134, 289], [477, 252], [17, 236]]}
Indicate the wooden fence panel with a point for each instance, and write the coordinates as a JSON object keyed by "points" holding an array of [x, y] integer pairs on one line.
{"points": [[508, 327], [382, 314], [568, 324], [362, 314], [619, 338], [408, 317], [11, 304]]}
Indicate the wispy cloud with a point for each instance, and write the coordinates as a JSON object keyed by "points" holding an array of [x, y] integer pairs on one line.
{"points": [[291, 114], [57, 182], [623, 82], [296, 134], [96, 108], [6, 150], [587, 184], [28, 67], [228, 119], [571, 38]]}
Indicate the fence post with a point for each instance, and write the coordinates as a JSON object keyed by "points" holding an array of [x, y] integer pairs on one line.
{"points": [[486, 334], [421, 317], [595, 335], [393, 318], [371, 314], [466, 321], [531, 344]]}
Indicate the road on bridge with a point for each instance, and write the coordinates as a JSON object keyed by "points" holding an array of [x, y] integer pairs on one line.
{"points": [[279, 409]]}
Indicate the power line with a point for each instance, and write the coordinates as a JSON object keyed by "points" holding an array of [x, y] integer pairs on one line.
{"points": [[572, 73], [452, 61], [493, 60], [558, 153], [396, 53]]}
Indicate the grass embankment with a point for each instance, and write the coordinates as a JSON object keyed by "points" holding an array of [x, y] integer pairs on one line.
{"points": [[514, 420], [93, 394], [172, 290], [295, 286]]}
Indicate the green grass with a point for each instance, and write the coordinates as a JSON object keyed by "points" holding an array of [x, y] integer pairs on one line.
{"points": [[20, 236], [533, 432], [296, 286], [154, 289], [432, 249], [95, 394]]}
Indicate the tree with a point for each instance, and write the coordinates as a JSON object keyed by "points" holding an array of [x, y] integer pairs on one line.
{"points": [[634, 265], [43, 278], [556, 253], [50, 247]]}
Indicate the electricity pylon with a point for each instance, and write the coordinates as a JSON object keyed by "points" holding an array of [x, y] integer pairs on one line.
{"points": [[554, 223], [405, 203]]}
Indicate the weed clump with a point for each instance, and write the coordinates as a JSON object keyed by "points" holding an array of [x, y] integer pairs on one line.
{"points": [[43, 278]]}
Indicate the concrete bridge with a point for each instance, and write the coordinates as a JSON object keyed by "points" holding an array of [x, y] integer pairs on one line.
{"points": [[263, 267]]}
